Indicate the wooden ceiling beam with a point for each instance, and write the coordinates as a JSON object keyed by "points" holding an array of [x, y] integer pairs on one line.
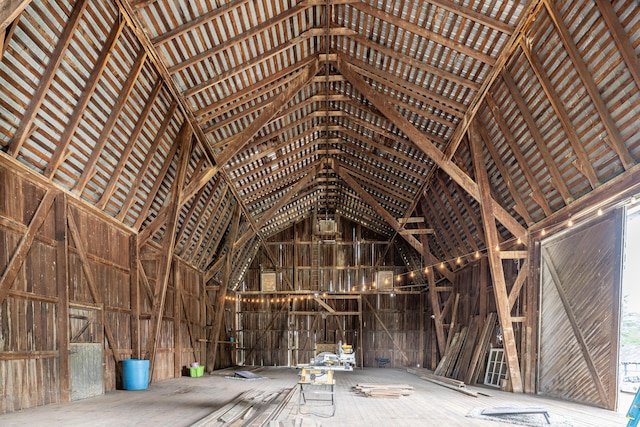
{"points": [[458, 214], [142, 170], [55, 59], [583, 163], [390, 219], [302, 183], [242, 36], [471, 14], [133, 138], [427, 146], [156, 186], [621, 38], [97, 150], [529, 13], [209, 222], [70, 128], [196, 183], [537, 194], [413, 62], [389, 153], [471, 213], [265, 190], [268, 113], [506, 176], [440, 102], [435, 220], [389, 190], [251, 92], [313, 32], [557, 181], [10, 12], [424, 33], [614, 140]]}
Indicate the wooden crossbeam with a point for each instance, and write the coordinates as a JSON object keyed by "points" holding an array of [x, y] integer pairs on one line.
{"points": [[20, 254]]}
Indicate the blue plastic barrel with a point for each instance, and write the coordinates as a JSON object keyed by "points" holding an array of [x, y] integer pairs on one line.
{"points": [[135, 374]]}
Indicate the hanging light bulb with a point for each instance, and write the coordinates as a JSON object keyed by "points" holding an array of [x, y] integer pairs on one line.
{"points": [[477, 254], [519, 241], [570, 223], [600, 213], [459, 260], [543, 232], [426, 270], [442, 265]]}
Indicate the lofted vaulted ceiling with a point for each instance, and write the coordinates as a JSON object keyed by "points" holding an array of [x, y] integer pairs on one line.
{"points": [[359, 108]]}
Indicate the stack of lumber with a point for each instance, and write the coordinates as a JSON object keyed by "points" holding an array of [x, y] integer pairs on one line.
{"points": [[463, 358], [451, 383], [393, 391], [251, 408]]}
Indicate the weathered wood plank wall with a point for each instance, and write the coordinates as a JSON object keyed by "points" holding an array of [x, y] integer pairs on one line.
{"points": [[106, 287]]}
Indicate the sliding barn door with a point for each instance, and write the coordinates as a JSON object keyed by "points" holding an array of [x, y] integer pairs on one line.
{"points": [[580, 311]]}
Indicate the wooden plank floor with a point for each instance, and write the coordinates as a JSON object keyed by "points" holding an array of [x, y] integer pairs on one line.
{"points": [[184, 401]]}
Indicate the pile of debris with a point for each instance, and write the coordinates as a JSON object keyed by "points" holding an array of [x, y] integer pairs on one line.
{"points": [[393, 391]]}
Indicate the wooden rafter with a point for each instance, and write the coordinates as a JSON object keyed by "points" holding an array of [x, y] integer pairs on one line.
{"points": [[456, 211], [83, 100], [583, 163], [55, 59], [615, 140], [142, 170], [621, 39], [557, 181], [416, 63], [105, 132], [429, 148], [440, 102], [537, 193], [192, 210], [497, 272], [253, 31], [267, 114], [124, 158], [430, 211], [252, 92], [144, 212], [314, 32], [506, 176]]}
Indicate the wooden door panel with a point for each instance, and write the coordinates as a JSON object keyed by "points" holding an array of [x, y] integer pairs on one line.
{"points": [[579, 313]]}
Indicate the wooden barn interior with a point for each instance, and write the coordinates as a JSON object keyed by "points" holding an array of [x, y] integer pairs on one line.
{"points": [[436, 183]]}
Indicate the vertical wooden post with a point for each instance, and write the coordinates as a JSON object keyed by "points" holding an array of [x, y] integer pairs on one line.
{"points": [[184, 141], [495, 263], [435, 300], [134, 295], [222, 293], [421, 330], [62, 282], [360, 332], [177, 320], [483, 289]]}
